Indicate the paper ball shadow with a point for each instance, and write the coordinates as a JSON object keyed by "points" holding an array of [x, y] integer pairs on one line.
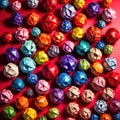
{"points": [[8, 23]]}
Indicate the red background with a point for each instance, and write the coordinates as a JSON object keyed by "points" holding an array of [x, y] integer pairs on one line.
{"points": [[6, 26]]}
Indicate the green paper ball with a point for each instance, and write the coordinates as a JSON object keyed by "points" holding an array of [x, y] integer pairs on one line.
{"points": [[9, 112]]}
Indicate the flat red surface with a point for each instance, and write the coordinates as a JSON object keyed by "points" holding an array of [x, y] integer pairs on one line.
{"points": [[5, 26]]}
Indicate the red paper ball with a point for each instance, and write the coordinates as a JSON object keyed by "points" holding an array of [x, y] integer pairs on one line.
{"points": [[112, 35], [65, 1], [7, 37], [94, 34], [114, 79], [49, 22], [50, 71], [50, 5]]}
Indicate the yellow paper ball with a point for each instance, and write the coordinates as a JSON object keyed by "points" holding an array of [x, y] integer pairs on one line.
{"points": [[79, 3], [77, 33], [41, 57], [30, 114]]}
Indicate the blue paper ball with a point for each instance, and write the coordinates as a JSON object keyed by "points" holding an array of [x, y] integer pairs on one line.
{"points": [[94, 117], [32, 79], [110, 63], [28, 47], [79, 78], [100, 106], [101, 24], [27, 65], [18, 84], [66, 26], [82, 48], [17, 18], [35, 31], [4, 3], [100, 45], [116, 116], [63, 80]]}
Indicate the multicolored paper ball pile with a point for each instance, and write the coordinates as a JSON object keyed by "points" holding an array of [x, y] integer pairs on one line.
{"points": [[57, 58]]}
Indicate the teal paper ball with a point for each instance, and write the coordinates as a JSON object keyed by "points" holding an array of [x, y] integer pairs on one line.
{"points": [[18, 84], [82, 48], [35, 31], [28, 48]]}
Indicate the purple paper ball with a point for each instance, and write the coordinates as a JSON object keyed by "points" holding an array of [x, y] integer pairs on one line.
{"points": [[29, 92], [93, 9], [67, 11], [12, 54], [68, 63], [17, 18], [115, 105], [53, 51], [57, 95]]}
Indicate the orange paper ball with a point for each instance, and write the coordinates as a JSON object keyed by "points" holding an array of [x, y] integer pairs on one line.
{"points": [[80, 20], [58, 37], [96, 69], [43, 40], [32, 19], [105, 116], [22, 102], [41, 102], [107, 3]]}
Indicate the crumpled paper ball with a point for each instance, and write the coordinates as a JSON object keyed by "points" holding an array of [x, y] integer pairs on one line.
{"points": [[32, 3], [68, 63], [6, 96], [27, 65], [67, 11], [28, 47], [21, 34], [41, 57], [11, 70]]}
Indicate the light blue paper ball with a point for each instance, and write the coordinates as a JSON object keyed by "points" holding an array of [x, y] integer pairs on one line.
{"points": [[27, 65]]}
